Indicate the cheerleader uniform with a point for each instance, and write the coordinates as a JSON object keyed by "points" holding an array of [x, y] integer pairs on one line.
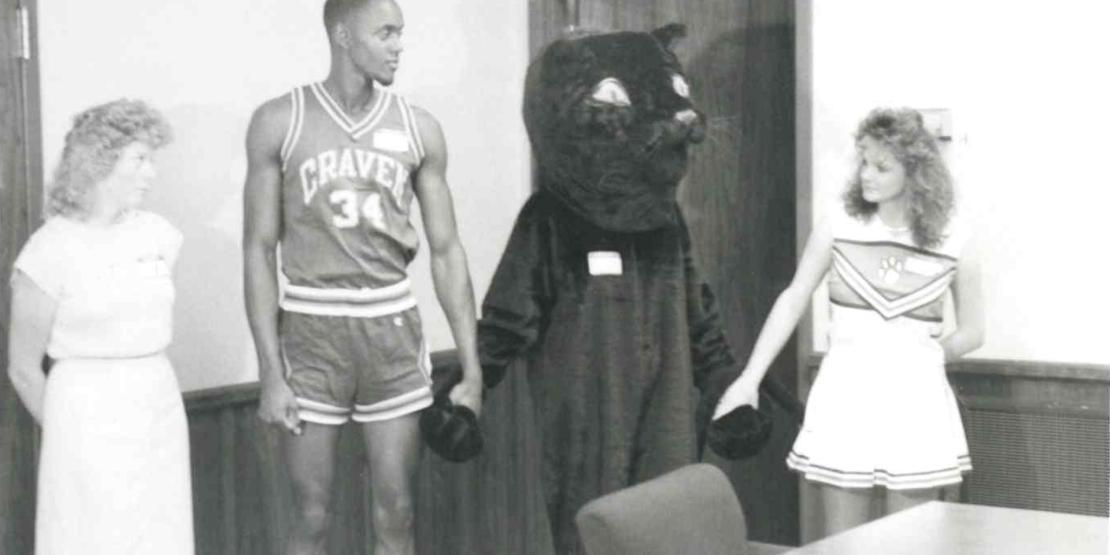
{"points": [[881, 411]]}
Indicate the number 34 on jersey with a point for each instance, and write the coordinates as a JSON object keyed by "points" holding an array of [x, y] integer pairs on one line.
{"points": [[348, 209], [350, 171]]}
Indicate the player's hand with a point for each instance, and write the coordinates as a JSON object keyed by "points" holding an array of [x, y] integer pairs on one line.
{"points": [[468, 393], [741, 392], [278, 406]]}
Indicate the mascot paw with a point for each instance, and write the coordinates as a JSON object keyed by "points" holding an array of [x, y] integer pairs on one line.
{"points": [[741, 433], [451, 431]]}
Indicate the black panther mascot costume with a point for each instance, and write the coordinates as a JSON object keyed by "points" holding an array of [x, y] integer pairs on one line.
{"points": [[597, 291]]}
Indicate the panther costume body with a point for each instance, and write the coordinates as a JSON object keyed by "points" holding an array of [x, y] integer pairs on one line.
{"points": [[597, 291]]}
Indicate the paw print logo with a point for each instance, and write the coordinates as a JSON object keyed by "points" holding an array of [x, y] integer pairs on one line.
{"points": [[890, 269]]}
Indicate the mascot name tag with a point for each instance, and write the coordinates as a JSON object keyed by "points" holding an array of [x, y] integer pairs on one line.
{"points": [[605, 263]]}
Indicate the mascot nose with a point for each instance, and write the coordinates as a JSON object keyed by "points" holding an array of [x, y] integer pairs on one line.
{"points": [[693, 124]]}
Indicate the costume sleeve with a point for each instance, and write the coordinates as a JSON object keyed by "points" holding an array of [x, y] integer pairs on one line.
{"points": [[713, 363], [513, 309], [44, 260]]}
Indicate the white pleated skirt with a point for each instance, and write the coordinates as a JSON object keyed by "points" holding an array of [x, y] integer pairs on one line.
{"points": [[882, 414], [114, 471]]}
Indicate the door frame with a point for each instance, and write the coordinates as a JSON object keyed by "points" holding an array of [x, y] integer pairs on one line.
{"points": [[20, 213]]}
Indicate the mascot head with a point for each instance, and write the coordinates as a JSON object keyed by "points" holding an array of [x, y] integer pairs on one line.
{"points": [[610, 119]]}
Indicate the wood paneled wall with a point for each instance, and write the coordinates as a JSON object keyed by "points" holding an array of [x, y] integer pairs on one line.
{"points": [[243, 500], [1039, 434], [20, 208]]}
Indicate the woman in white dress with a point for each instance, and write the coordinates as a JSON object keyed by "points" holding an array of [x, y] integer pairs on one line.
{"points": [[882, 422], [92, 290]]}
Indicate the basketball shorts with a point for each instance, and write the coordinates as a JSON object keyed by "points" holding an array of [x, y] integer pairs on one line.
{"points": [[366, 369]]}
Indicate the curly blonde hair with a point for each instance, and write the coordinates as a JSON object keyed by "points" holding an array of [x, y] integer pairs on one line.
{"points": [[93, 146], [928, 182]]}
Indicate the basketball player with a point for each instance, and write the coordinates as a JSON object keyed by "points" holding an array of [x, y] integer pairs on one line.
{"points": [[332, 171]]}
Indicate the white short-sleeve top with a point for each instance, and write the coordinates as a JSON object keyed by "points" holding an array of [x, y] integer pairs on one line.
{"points": [[113, 285]]}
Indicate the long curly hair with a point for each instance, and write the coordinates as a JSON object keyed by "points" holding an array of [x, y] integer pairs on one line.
{"points": [[928, 181], [93, 146]]}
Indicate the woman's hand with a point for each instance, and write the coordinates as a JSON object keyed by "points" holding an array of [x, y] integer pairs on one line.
{"points": [[742, 392]]}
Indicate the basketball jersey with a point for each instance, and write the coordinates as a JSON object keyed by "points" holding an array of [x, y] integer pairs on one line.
{"points": [[346, 194], [880, 278]]}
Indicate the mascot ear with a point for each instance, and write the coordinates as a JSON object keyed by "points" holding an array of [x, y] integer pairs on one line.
{"points": [[668, 35], [569, 52], [566, 62]]}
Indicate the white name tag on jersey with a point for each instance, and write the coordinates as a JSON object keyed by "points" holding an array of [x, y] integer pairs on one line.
{"points": [[605, 263], [923, 267], [391, 140]]}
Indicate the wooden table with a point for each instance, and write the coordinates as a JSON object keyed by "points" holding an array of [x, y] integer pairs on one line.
{"points": [[943, 528]]}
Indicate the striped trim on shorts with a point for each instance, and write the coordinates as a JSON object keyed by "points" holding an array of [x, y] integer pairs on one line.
{"points": [[357, 303], [355, 353]]}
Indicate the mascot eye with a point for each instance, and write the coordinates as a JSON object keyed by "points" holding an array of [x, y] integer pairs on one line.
{"points": [[680, 86], [611, 91]]}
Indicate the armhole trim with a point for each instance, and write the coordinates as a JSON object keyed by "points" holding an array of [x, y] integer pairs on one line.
{"points": [[412, 130], [296, 122]]}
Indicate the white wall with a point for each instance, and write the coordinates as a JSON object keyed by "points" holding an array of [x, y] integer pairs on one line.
{"points": [[1026, 87], [208, 65]]}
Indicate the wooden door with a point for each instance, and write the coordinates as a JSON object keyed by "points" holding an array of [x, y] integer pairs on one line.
{"points": [[739, 195], [20, 209]]}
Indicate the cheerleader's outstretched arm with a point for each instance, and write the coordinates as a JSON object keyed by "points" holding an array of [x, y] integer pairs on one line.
{"points": [[788, 309]]}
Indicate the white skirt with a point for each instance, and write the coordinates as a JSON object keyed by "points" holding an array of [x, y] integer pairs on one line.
{"points": [[114, 472], [882, 414]]}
